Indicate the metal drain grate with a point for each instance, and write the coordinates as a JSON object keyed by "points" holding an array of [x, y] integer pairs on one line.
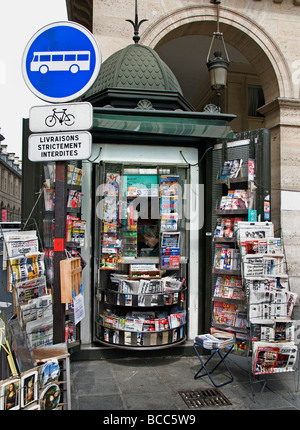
{"points": [[209, 397]]}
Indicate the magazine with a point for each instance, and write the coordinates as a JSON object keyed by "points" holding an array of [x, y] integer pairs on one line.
{"points": [[230, 314], [231, 287], [170, 257], [235, 199], [168, 185], [49, 199], [69, 228], [169, 222], [226, 258], [170, 239], [74, 175], [78, 232], [170, 250], [74, 199], [112, 185], [231, 168], [49, 175]]}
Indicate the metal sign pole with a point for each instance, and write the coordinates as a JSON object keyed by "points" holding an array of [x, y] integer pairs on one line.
{"points": [[59, 249], [60, 63]]}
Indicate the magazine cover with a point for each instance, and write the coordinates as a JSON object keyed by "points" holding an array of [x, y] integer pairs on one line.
{"points": [[49, 199], [74, 199], [78, 232], [168, 185], [231, 168], [170, 240], [112, 184], [70, 220], [74, 175]]}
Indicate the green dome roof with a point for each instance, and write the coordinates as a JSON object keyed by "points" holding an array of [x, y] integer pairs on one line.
{"points": [[135, 67]]}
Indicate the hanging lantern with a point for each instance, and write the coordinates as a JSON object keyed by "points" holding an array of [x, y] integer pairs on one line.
{"points": [[218, 66]]}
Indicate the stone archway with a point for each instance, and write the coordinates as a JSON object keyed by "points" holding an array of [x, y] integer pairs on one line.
{"points": [[282, 104], [240, 31]]}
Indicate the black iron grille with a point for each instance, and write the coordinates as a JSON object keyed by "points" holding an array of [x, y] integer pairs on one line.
{"points": [[200, 398]]}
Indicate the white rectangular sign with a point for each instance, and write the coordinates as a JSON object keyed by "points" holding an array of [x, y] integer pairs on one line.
{"points": [[45, 147], [61, 117]]}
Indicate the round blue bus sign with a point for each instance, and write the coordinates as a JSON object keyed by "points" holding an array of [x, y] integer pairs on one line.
{"points": [[61, 61]]}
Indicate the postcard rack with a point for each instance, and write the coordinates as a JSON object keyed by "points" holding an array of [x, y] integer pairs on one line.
{"points": [[38, 378]]}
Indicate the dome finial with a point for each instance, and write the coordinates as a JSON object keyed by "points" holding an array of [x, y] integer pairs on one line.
{"points": [[136, 25]]}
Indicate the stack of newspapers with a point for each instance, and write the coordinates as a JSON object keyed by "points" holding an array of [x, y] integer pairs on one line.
{"points": [[215, 341]]}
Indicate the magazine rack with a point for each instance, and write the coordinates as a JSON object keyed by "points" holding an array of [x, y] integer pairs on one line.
{"points": [[222, 359]]}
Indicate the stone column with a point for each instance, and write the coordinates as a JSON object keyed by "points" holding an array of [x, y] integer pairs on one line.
{"points": [[282, 119]]}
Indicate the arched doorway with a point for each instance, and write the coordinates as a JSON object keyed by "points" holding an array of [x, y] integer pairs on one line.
{"points": [[182, 40]]}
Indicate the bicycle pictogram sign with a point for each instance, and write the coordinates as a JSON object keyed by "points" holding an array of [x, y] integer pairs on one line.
{"points": [[60, 116]]}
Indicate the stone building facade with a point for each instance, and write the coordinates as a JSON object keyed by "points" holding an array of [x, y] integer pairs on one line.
{"points": [[10, 185], [262, 39]]}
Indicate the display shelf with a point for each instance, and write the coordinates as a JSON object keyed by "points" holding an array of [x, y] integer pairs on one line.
{"points": [[143, 340], [239, 179], [60, 353], [233, 328], [74, 233], [166, 298], [237, 202], [231, 212], [226, 272], [273, 344], [132, 290]]}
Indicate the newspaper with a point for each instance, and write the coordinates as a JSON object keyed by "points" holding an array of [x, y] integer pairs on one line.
{"points": [[35, 309], [18, 243], [24, 267], [30, 289], [260, 265], [251, 230], [268, 302], [40, 332], [215, 341], [271, 357]]}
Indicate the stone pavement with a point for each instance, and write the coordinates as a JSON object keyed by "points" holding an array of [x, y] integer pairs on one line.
{"points": [[131, 383]]}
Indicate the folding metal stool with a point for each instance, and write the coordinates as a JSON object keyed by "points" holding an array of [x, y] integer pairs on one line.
{"points": [[198, 344]]}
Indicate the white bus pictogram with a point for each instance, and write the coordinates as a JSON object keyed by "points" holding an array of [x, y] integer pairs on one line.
{"points": [[49, 61]]}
